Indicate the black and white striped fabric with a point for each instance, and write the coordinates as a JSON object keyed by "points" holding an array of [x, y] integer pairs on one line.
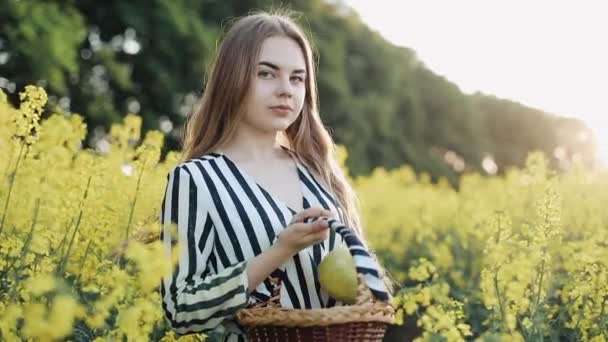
{"points": [[364, 262], [222, 219]]}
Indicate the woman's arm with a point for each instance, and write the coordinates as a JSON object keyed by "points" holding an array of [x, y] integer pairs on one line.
{"points": [[295, 237], [193, 298], [264, 263]]}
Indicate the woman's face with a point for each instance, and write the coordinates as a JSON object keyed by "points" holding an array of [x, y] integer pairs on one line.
{"points": [[277, 90]]}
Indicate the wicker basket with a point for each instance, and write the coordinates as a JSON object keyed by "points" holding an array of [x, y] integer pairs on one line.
{"points": [[366, 320]]}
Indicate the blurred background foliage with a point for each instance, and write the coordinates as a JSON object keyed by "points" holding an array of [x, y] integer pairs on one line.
{"points": [[104, 60]]}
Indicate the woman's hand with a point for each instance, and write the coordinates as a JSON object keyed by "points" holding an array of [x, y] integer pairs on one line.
{"points": [[295, 237], [311, 212], [299, 235]]}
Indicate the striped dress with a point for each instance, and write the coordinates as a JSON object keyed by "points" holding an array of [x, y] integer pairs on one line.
{"points": [[222, 218]]}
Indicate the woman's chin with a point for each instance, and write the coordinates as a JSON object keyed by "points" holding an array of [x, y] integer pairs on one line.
{"points": [[280, 124]]}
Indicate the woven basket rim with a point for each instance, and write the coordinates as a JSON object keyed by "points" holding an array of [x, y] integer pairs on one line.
{"points": [[373, 312], [366, 309]]}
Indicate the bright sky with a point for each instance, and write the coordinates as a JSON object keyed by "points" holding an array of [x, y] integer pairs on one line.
{"points": [[550, 55]]}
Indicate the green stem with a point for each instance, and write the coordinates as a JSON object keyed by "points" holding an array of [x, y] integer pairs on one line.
{"points": [[10, 160], [141, 173], [578, 321], [28, 239], [540, 282], [602, 308], [64, 260], [86, 252], [25, 249], [65, 237], [10, 187], [523, 328], [500, 303], [602, 319]]}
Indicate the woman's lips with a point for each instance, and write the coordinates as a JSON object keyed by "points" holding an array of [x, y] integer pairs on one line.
{"points": [[281, 109]]}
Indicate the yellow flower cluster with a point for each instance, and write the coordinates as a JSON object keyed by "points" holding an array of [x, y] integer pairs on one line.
{"points": [[517, 250], [80, 255], [517, 257], [440, 316], [27, 120]]}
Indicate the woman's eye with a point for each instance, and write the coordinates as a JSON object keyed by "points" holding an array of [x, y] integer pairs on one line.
{"points": [[269, 75], [264, 74]]}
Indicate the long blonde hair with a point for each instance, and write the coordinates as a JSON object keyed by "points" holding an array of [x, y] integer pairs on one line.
{"points": [[214, 120]]}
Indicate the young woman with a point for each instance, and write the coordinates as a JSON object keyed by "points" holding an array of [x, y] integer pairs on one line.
{"points": [[257, 161]]}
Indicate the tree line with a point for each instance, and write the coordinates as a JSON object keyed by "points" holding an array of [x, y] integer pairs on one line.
{"points": [[106, 59]]}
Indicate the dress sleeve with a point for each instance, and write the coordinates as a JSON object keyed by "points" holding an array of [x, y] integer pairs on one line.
{"points": [[194, 298]]}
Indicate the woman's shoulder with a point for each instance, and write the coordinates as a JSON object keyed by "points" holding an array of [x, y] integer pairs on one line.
{"points": [[204, 158], [196, 162]]}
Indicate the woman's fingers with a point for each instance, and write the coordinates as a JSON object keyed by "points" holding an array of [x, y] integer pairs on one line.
{"points": [[302, 215], [300, 234], [320, 224], [316, 235], [311, 227], [322, 234]]}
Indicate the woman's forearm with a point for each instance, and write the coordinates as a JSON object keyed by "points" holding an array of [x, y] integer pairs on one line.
{"points": [[263, 264]]}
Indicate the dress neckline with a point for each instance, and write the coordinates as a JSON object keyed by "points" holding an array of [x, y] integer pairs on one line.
{"points": [[274, 197]]}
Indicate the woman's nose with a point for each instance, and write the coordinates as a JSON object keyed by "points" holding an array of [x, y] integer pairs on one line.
{"points": [[284, 87]]}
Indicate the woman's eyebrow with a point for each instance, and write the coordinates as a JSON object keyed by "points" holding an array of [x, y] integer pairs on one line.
{"points": [[275, 67]]}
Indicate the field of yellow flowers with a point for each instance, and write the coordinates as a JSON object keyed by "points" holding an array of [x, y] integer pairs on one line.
{"points": [[512, 258]]}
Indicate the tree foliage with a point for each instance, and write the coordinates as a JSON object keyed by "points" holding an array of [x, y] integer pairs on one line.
{"points": [[107, 59]]}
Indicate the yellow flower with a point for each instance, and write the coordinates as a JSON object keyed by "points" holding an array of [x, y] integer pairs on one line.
{"points": [[64, 312], [491, 239], [465, 329], [424, 296], [28, 117], [128, 133], [35, 324], [410, 306], [422, 271], [40, 284], [399, 317], [8, 321]]}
